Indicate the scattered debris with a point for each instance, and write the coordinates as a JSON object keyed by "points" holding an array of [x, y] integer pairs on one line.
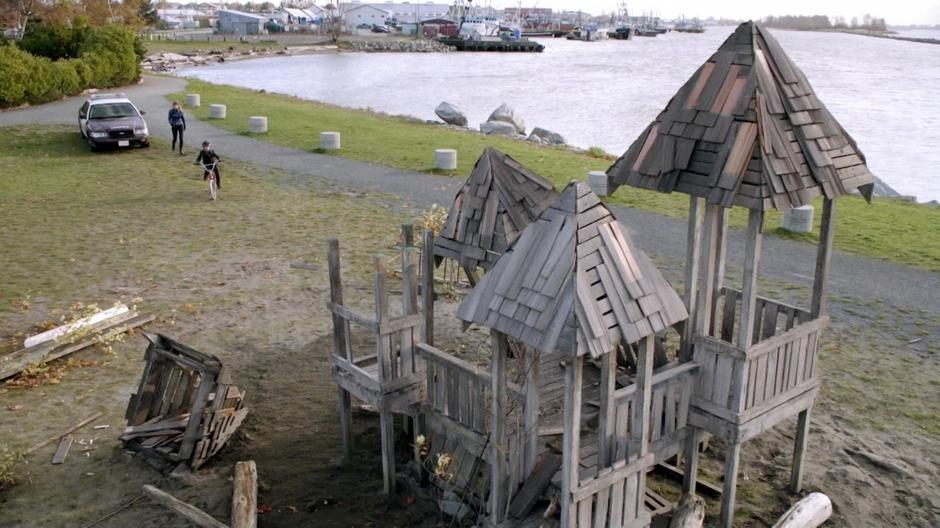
{"points": [[66, 339], [809, 512], [71, 430], [185, 408], [104, 426]]}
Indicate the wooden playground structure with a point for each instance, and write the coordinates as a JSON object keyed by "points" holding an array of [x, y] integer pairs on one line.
{"points": [[584, 411]]}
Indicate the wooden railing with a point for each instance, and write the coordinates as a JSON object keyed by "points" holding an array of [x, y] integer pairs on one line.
{"points": [[673, 387], [770, 316], [738, 384], [615, 497]]}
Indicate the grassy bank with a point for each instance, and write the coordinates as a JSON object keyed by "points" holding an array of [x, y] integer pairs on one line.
{"points": [[892, 230]]}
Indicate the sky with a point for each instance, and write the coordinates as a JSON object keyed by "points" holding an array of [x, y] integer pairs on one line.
{"points": [[896, 12]]}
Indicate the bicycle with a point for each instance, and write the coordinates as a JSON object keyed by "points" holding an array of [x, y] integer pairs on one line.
{"points": [[209, 175]]}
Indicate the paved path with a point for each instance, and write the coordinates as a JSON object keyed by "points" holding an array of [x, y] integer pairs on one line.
{"points": [[786, 260]]}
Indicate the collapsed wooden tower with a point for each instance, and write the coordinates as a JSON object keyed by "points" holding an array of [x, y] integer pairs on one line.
{"points": [[499, 199], [747, 130]]}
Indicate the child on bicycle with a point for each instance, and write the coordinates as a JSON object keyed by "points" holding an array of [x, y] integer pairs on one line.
{"points": [[207, 157]]}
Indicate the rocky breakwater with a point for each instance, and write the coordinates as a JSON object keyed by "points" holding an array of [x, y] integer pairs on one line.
{"points": [[167, 61], [400, 46], [505, 121]]}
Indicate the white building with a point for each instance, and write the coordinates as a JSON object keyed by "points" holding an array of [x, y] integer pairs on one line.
{"points": [[364, 14]]}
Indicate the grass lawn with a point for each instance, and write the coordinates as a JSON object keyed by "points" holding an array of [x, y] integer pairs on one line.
{"points": [[76, 224], [887, 229]]}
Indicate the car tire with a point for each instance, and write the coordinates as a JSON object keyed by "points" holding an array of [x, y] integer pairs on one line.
{"points": [[91, 146], [145, 144]]}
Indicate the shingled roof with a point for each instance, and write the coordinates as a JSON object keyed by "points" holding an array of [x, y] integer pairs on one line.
{"points": [[746, 129], [574, 272], [500, 198]]}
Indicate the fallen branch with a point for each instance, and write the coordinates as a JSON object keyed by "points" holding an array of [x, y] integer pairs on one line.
{"points": [[188, 511], [245, 495], [809, 512], [74, 428]]}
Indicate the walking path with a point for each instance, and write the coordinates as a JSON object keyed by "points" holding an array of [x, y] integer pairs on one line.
{"points": [[786, 260]]}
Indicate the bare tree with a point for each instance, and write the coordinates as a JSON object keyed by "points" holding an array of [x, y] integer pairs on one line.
{"points": [[335, 18], [16, 13]]}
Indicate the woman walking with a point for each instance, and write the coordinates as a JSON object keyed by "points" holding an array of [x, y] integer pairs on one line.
{"points": [[177, 124]]}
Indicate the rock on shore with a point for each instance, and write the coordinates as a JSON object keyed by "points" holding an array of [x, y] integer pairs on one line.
{"points": [[498, 128], [546, 137], [450, 114], [507, 114]]}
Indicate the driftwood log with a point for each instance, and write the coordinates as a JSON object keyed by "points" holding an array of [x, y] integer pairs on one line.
{"points": [[187, 511], [811, 511], [689, 513], [245, 495]]}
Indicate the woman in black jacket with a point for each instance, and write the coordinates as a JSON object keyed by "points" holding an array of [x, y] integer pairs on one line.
{"points": [[177, 124]]}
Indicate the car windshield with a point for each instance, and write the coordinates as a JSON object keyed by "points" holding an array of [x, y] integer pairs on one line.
{"points": [[112, 110]]}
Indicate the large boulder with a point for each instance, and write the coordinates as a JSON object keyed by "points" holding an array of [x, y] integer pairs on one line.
{"points": [[506, 114], [450, 114], [498, 128], [546, 137]]}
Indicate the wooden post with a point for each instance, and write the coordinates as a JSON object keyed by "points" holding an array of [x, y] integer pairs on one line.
{"points": [[385, 370], [427, 285], [730, 486], [407, 236], [499, 498], [823, 256], [799, 450], [245, 495], [341, 346], [755, 221], [690, 474], [643, 409], [721, 250], [531, 415], [692, 257], [706, 287], [571, 439], [608, 413]]}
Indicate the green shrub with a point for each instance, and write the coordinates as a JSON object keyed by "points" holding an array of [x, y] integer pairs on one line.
{"points": [[65, 62]]}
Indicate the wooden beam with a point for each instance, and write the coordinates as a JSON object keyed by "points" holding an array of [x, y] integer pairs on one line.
{"points": [[799, 450], [531, 408], [690, 471], [823, 257], [427, 285], [692, 258], [721, 251], [379, 279], [499, 494], [387, 433], [755, 221], [641, 421], [245, 495], [340, 327], [571, 438], [187, 511], [608, 412]]}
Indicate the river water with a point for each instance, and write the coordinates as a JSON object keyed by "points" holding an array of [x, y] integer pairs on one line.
{"points": [[884, 92]]}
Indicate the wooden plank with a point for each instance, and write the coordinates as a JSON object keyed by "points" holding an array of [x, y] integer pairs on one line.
{"points": [[536, 483], [187, 511], [427, 285], [340, 328], [531, 407], [693, 249], [65, 443], [571, 437], [823, 258], [607, 416], [245, 495]]}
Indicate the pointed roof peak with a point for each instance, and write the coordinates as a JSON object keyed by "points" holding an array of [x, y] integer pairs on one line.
{"points": [[499, 199], [574, 279], [746, 129]]}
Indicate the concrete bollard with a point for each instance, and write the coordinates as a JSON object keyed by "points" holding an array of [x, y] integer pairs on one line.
{"points": [[329, 140], [798, 219], [257, 124], [445, 159], [597, 181], [192, 100], [217, 111]]}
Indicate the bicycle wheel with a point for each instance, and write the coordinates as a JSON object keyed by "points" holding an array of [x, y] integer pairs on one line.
{"points": [[213, 190]]}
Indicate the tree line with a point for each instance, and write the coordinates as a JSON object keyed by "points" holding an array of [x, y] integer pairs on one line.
{"points": [[814, 22]]}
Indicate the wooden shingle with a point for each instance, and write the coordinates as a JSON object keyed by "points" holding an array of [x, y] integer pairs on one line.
{"points": [[755, 110], [574, 263], [499, 199]]}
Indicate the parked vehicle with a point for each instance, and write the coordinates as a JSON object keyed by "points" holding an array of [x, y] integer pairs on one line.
{"points": [[112, 120], [378, 28]]}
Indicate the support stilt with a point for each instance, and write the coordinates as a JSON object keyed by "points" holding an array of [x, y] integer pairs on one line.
{"points": [[799, 450], [730, 487]]}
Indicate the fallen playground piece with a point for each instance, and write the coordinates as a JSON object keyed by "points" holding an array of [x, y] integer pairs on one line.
{"points": [[185, 407]]}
